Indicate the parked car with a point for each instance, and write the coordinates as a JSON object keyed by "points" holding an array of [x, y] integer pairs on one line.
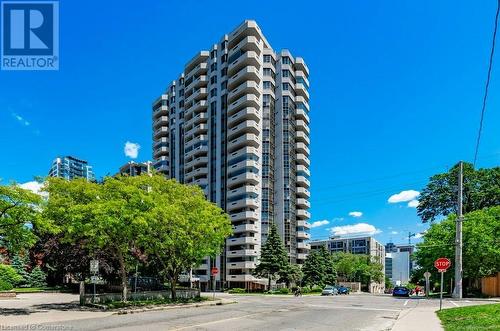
{"points": [[344, 290], [401, 291], [330, 290]]}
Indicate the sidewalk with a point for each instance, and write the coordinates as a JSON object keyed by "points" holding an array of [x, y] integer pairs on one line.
{"points": [[417, 319]]}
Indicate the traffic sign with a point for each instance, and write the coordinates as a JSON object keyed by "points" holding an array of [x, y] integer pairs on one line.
{"points": [[214, 271], [94, 279], [442, 264], [427, 275], [94, 266]]}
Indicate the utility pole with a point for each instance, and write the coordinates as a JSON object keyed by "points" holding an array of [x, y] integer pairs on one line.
{"points": [[458, 237]]}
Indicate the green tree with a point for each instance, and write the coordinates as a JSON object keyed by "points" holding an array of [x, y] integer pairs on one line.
{"points": [[319, 268], [358, 267], [108, 216], [38, 278], [481, 189], [291, 274], [20, 264], [19, 214], [273, 257], [181, 227], [481, 244]]}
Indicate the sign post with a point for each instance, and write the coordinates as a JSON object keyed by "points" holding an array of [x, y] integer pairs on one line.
{"points": [[94, 269], [214, 271], [442, 264], [427, 275]]}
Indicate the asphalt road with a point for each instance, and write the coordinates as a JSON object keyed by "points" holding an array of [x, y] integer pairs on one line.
{"points": [[251, 312]]}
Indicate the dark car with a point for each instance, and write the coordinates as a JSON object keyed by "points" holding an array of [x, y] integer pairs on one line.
{"points": [[343, 290], [401, 291]]}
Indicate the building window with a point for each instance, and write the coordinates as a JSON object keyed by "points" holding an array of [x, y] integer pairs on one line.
{"points": [[266, 85], [213, 92], [224, 72], [223, 86], [213, 54], [267, 58], [286, 60], [213, 80], [223, 58], [223, 45]]}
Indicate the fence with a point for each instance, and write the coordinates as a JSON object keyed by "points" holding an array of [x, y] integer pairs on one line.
{"points": [[354, 286], [491, 285], [87, 298]]}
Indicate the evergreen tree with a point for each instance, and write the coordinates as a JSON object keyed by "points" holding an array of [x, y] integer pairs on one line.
{"points": [[319, 269], [19, 264], [273, 257], [38, 277]]}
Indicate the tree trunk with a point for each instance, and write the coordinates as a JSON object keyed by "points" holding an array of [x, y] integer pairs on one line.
{"points": [[173, 284], [269, 282], [123, 276]]}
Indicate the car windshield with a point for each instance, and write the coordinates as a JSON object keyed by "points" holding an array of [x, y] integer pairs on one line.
{"points": [[329, 288], [400, 288]]}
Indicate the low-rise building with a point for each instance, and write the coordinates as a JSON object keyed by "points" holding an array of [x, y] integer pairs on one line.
{"points": [[70, 167], [132, 168], [397, 267]]}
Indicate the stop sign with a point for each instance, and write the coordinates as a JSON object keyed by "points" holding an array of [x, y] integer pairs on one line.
{"points": [[214, 271], [442, 264]]}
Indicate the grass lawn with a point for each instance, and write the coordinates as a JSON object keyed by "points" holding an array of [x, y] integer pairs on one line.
{"points": [[34, 289], [482, 317], [145, 303]]}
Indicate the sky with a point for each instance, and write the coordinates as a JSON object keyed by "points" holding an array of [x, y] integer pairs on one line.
{"points": [[396, 93]]}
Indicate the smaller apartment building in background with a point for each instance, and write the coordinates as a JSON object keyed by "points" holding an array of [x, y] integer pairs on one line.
{"points": [[132, 168], [399, 263], [356, 245], [70, 167]]}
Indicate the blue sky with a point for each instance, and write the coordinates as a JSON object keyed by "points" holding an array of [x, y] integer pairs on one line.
{"points": [[396, 90]]}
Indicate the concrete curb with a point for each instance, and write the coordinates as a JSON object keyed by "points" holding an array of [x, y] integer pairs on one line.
{"points": [[219, 302]]}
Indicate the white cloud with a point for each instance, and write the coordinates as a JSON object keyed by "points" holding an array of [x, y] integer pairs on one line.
{"points": [[355, 214], [338, 219], [319, 223], [359, 228], [21, 120], [403, 196], [34, 187], [394, 232], [413, 204], [131, 150]]}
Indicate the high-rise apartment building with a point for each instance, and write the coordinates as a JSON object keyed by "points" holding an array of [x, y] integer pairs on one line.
{"points": [[133, 168], [235, 122], [70, 167]]}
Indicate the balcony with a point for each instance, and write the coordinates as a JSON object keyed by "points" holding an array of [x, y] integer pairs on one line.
{"points": [[253, 228], [196, 174], [243, 151], [196, 130], [163, 110], [198, 82], [301, 136], [197, 107], [245, 215], [303, 193], [303, 203], [248, 87], [247, 100], [301, 125], [240, 278], [160, 121], [242, 252], [196, 140], [199, 151], [301, 256], [248, 126], [249, 43], [301, 65], [303, 214], [303, 160], [302, 148], [201, 182], [304, 169], [198, 94], [241, 265], [160, 151], [248, 139], [303, 235], [248, 113], [303, 181], [161, 132], [247, 73], [200, 118], [301, 90], [197, 70], [199, 161], [246, 189], [300, 74], [246, 177], [304, 224], [243, 164], [243, 203], [303, 245], [249, 58], [244, 241]]}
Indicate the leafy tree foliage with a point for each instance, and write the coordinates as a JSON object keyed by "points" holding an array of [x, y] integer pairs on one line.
{"points": [[481, 244], [273, 257], [481, 189], [291, 274], [19, 214], [319, 268], [358, 267], [9, 275], [180, 226]]}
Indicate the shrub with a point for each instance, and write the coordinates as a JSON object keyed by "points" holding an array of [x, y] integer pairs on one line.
{"points": [[5, 286], [316, 289], [9, 275], [284, 290], [237, 290]]}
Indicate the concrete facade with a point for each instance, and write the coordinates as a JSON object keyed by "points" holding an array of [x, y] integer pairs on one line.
{"points": [[70, 167], [235, 122]]}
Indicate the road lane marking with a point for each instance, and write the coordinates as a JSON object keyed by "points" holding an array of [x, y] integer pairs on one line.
{"points": [[220, 321], [456, 305], [406, 302]]}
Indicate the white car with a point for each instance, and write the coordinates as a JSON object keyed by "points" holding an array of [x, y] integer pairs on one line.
{"points": [[330, 290]]}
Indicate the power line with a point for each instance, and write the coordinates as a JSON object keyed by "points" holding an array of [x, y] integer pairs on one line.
{"points": [[487, 85]]}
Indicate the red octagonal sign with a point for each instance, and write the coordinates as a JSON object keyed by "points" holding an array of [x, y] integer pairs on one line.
{"points": [[442, 264]]}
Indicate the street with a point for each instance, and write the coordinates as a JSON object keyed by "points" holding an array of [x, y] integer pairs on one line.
{"points": [[250, 312]]}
